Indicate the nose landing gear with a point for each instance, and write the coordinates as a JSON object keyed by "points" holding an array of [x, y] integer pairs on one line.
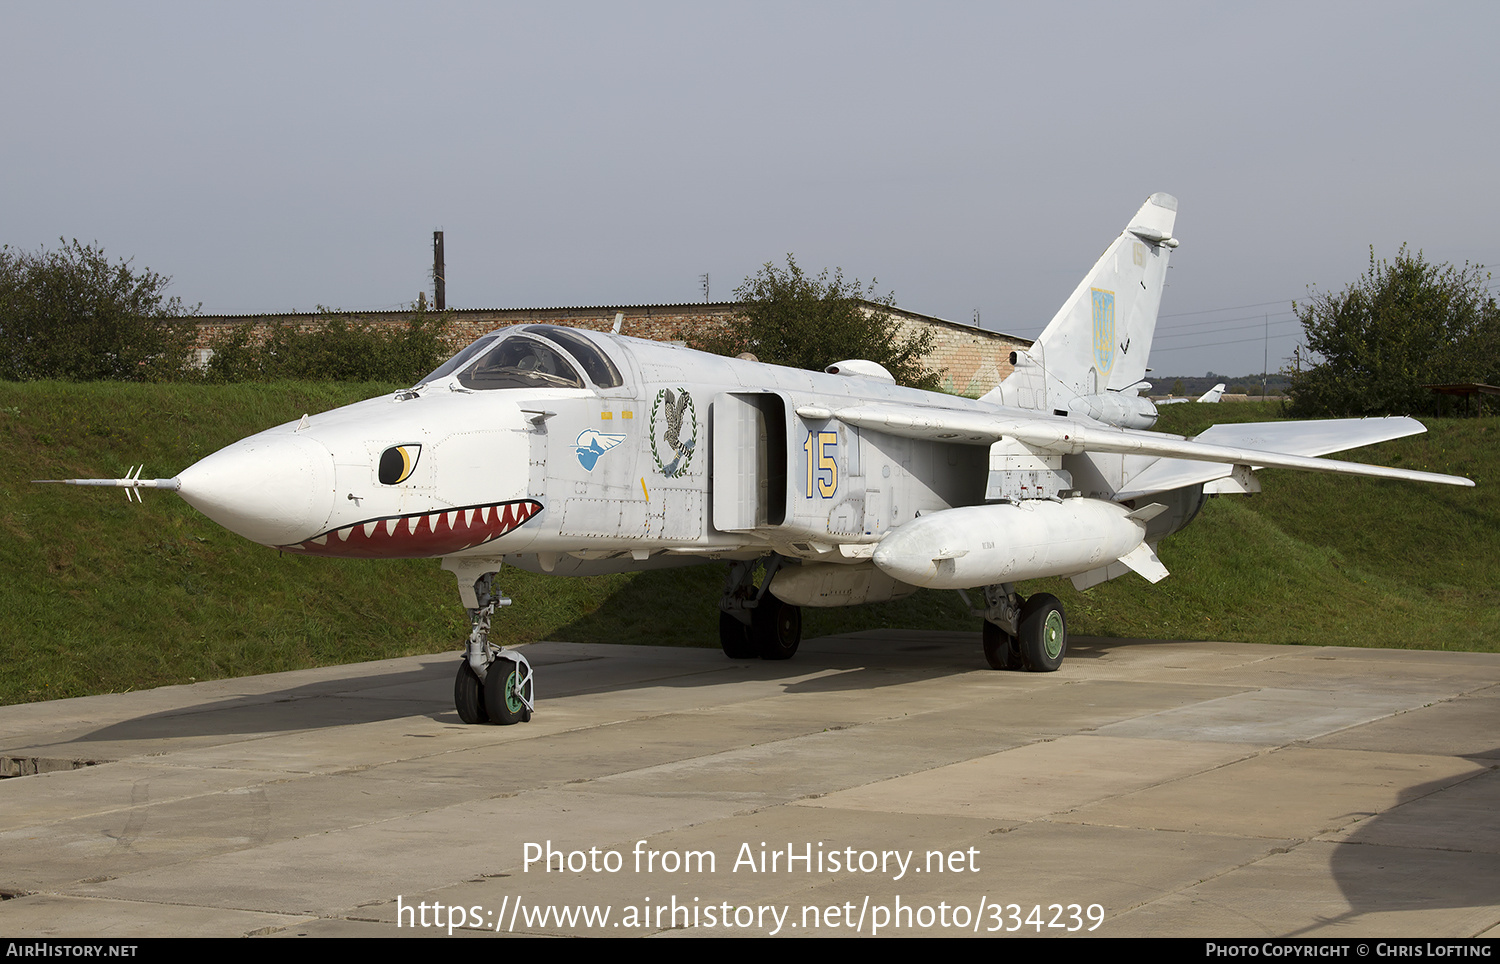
{"points": [[493, 685]]}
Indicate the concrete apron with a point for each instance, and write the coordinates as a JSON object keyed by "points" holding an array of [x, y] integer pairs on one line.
{"points": [[878, 783]]}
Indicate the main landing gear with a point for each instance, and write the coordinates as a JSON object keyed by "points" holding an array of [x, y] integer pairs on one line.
{"points": [[1030, 634], [493, 684], [752, 621]]}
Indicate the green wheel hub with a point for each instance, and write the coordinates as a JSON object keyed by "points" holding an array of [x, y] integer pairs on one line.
{"points": [[1043, 633], [1052, 634], [512, 699], [505, 705]]}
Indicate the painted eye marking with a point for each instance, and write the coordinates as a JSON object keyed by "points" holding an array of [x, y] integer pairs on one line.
{"points": [[397, 462]]}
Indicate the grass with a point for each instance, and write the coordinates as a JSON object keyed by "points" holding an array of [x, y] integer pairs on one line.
{"points": [[103, 596]]}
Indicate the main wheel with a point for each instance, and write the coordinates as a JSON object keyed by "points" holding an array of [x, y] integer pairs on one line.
{"points": [[1001, 650], [500, 698], [734, 638], [1044, 633], [776, 628], [468, 695]]}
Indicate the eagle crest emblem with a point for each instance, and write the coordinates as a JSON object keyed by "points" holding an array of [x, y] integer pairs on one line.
{"points": [[674, 431]]}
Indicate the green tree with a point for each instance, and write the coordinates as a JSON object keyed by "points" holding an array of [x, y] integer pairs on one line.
{"points": [[72, 314], [335, 347], [1405, 325], [791, 318]]}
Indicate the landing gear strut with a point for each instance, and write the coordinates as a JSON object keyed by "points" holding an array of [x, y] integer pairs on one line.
{"points": [[493, 684], [1019, 633], [752, 621]]}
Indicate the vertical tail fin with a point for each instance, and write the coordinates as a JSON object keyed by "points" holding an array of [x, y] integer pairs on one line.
{"points": [[1100, 339]]}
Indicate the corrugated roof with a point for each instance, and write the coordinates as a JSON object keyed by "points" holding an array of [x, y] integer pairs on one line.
{"points": [[679, 307]]}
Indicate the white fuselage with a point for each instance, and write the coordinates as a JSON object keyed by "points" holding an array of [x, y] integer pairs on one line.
{"points": [[572, 475]]}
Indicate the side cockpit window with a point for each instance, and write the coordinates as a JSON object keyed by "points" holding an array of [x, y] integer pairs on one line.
{"points": [[520, 362]]}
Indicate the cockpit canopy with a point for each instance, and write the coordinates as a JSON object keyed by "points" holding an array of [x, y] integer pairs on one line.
{"points": [[530, 356]]}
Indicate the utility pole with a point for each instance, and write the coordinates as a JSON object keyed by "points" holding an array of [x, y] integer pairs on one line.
{"points": [[439, 282], [1265, 358]]}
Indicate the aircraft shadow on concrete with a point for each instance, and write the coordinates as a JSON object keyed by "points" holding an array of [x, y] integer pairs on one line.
{"points": [[1407, 859], [323, 704], [860, 661]]}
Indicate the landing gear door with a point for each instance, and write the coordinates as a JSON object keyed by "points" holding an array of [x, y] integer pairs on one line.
{"points": [[749, 461]]}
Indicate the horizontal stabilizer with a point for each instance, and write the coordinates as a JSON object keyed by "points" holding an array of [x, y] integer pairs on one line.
{"points": [[1309, 438], [1313, 437]]}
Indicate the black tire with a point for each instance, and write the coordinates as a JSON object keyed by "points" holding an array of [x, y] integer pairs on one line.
{"points": [[1001, 650], [734, 638], [468, 695], [1044, 633], [504, 706], [776, 628]]}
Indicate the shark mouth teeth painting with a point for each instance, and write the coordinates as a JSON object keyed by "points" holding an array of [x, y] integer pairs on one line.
{"points": [[421, 534]]}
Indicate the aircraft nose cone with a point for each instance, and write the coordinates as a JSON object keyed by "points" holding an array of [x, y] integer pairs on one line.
{"points": [[275, 488]]}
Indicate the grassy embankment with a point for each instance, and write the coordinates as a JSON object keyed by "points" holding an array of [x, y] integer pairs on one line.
{"points": [[100, 596]]}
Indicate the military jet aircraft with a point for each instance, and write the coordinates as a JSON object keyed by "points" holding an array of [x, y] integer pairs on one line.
{"points": [[1210, 397], [574, 452]]}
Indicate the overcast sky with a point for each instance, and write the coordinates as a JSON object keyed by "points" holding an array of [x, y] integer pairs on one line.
{"points": [[274, 157]]}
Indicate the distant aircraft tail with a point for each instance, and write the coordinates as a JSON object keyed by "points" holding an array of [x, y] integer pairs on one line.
{"points": [[1098, 343], [1213, 395]]}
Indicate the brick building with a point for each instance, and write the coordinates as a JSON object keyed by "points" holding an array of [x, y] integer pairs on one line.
{"points": [[971, 359]]}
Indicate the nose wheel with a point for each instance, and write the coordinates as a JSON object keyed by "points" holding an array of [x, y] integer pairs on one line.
{"points": [[493, 685], [507, 690], [468, 696]]}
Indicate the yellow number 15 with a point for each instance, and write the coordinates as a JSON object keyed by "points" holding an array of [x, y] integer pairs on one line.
{"points": [[823, 443]]}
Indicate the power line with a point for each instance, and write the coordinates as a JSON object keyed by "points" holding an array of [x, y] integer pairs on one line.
{"points": [[1208, 344], [1259, 323], [1209, 311]]}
